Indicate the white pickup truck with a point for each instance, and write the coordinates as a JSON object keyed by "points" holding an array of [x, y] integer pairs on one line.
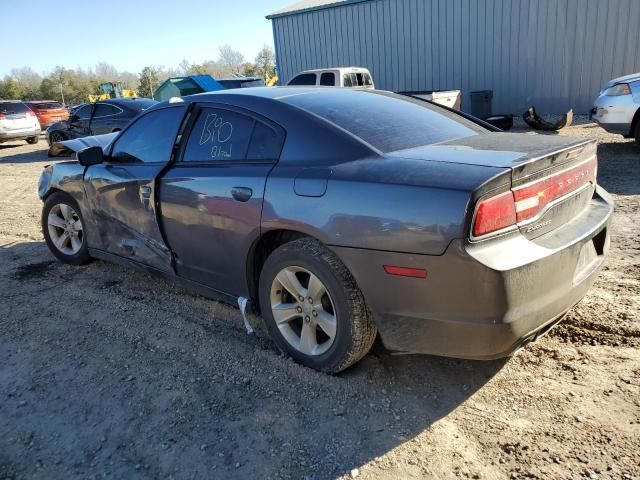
{"points": [[350, 77]]}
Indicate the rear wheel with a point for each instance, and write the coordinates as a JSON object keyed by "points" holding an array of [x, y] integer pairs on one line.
{"points": [[33, 140], [313, 308], [64, 230], [638, 133]]}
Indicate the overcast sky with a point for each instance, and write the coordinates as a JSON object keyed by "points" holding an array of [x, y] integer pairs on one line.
{"points": [[129, 34]]}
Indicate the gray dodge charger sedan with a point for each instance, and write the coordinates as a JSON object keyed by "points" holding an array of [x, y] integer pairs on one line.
{"points": [[339, 215]]}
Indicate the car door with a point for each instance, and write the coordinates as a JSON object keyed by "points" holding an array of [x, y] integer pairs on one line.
{"points": [[79, 122], [121, 191], [104, 119], [211, 197]]}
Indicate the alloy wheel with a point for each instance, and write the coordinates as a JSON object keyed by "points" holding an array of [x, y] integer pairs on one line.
{"points": [[303, 310], [65, 229]]}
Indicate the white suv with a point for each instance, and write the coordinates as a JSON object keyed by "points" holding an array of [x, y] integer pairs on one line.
{"points": [[18, 122], [617, 109], [350, 77]]}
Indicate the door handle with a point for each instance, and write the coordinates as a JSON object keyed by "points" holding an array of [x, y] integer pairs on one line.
{"points": [[241, 194], [146, 191]]}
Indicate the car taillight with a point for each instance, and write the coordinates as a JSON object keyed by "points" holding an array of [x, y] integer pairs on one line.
{"points": [[29, 113], [533, 197], [2, 115], [527, 201], [495, 213]]}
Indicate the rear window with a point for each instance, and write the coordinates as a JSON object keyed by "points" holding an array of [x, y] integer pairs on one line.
{"points": [[9, 108], [386, 121], [47, 105]]}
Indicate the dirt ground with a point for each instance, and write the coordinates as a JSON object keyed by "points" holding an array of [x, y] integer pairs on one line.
{"points": [[106, 372]]}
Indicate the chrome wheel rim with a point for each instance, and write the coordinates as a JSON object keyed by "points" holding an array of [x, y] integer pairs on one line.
{"points": [[56, 137], [65, 229], [303, 310]]}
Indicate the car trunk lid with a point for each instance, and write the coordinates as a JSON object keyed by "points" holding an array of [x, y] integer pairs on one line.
{"points": [[552, 177]]}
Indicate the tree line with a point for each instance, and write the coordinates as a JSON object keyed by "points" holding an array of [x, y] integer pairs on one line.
{"points": [[73, 86]]}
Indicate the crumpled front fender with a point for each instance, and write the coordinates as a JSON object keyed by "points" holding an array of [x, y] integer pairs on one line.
{"points": [[63, 176]]}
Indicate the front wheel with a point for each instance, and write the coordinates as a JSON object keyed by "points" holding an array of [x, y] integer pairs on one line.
{"points": [[64, 229], [313, 308], [638, 133], [56, 137]]}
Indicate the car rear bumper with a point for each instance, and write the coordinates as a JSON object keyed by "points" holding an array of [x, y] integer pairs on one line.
{"points": [[484, 300], [7, 135]]}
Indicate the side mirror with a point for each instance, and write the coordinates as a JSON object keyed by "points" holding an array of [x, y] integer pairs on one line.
{"points": [[90, 156]]}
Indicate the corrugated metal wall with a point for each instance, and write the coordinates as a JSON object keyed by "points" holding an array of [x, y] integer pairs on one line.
{"points": [[554, 54]]}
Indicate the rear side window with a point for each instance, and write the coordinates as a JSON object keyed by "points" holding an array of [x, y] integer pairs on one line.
{"points": [[219, 134], [150, 139], [103, 110], [304, 79], [9, 108], [386, 121], [265, 144], [328, 79]]}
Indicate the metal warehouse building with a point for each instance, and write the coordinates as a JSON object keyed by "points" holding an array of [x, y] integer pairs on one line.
{"points": [[554, 54]]}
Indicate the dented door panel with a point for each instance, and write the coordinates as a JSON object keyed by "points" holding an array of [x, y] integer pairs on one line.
{"points": [[122, 199]]}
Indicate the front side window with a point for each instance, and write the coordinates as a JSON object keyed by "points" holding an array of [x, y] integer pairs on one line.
{"points": [[219, 134], [150, 139], [304, 79]]}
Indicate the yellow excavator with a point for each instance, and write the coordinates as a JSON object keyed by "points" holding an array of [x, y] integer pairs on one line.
{"points": [[112, 90]]}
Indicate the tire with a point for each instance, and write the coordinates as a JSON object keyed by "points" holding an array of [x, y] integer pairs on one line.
{"points": [[339, 303], [637, 135], [60, 215], [33, 140], [56, 137]]}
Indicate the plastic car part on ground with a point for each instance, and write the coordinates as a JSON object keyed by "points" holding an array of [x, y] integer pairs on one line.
{"points": [[536, 122], [68, 147]]}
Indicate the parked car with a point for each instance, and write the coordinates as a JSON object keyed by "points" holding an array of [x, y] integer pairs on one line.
{"points": [[18, 122], [98, 118], [48, 112], [442, 236], [354, 77], [617, 108]]}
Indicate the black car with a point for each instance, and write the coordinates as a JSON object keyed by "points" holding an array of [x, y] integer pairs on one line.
{"points": [[340, 213], [97, 118]]}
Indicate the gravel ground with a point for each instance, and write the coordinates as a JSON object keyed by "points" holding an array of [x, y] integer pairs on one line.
{"points": [[106, 372]]}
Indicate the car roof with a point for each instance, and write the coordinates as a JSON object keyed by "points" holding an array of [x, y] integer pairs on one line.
{"points": [[340, 69], [626, 78], [42, 101], [124, 101], [276, 93]]}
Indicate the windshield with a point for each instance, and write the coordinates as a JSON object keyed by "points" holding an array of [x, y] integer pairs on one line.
{"points": [[386, 121]]}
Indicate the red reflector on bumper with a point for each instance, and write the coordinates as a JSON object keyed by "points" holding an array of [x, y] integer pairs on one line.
{"points": [[405, 271]]}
